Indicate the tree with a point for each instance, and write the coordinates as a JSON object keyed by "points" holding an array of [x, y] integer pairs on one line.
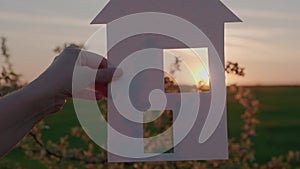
{"points": [[60, 155]]}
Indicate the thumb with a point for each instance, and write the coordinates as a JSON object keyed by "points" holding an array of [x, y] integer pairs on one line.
{"points": [[107, 75], [83, 76]]}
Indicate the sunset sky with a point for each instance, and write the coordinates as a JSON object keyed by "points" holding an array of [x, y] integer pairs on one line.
{"points": [[267, 43], [194, 65]]}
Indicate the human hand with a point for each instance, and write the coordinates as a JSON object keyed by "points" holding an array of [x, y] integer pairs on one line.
{"points": [[92, 77], [72, 73]]}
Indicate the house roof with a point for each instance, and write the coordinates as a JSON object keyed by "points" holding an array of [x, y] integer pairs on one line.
{"points": [[194, 10]]}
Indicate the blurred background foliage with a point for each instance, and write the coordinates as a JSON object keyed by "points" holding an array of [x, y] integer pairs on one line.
{"points": [[60, 142]]}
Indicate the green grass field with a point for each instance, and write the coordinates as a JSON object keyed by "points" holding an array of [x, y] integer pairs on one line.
{"points": [[277, 133]]}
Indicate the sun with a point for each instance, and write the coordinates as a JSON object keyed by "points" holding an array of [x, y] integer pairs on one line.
{"points": [[201, 74]]}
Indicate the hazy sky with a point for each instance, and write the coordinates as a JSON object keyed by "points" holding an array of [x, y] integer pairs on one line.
{"points": [[267, 43]]}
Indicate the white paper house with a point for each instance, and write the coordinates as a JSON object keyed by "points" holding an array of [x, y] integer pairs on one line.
{"points": [[207, 15]]}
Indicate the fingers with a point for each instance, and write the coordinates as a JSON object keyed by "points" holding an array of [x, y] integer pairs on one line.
{"points": [[97, 91], [100, 88], [84, 76], [107, 75], [92, 60], [88, 95], [87, 58]]}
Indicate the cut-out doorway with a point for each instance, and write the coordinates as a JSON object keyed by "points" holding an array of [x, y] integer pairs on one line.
{"points": [[163, 143]]}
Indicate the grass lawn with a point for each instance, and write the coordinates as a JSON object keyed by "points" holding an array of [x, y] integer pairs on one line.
{"points": [[277, 133]]}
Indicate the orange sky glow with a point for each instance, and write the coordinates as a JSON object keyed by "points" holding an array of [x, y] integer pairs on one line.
{"points": [[266, 43]]}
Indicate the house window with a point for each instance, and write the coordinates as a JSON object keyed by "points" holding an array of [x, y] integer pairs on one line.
{"points": [[186, 70]]}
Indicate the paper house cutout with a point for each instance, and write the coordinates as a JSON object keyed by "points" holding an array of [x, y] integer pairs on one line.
{"points": [[209, 16]]}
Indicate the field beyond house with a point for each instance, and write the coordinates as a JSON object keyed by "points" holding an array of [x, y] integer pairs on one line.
{"points": [[277, 133]]}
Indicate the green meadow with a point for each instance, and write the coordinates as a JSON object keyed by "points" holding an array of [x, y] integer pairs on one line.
{"points": [[277, 133]]}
